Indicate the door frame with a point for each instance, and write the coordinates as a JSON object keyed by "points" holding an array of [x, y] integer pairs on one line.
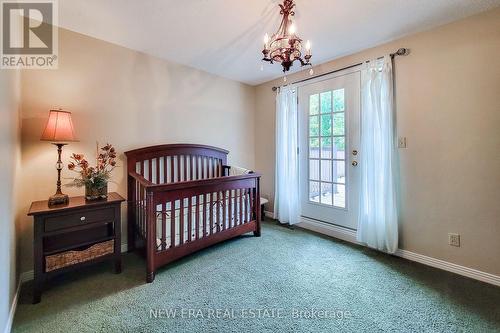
{"points": [[326, 77]]}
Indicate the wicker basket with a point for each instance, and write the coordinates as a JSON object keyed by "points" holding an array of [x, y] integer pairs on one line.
{"points": [[68, 258]]}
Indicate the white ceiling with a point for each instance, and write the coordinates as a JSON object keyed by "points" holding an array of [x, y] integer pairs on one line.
{"points": [[224, 37]]}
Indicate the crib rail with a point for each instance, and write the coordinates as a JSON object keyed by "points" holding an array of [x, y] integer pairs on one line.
{"points": [[176, 219]]}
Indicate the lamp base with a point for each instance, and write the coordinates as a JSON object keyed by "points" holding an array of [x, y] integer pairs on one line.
{"points": [[58, 199]]}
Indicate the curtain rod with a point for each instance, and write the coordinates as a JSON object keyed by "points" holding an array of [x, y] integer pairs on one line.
{"points": [[401, 52]]}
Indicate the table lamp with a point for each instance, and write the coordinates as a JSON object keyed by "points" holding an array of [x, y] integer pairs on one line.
{"points": [[59, 130]]}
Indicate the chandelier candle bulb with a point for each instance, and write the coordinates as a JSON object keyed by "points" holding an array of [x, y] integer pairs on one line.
{"points": [[293, 29]]}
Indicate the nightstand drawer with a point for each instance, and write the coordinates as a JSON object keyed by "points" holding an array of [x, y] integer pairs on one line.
{"points": [[79, 218]]}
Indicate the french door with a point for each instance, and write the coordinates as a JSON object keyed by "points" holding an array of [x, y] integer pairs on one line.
{"points": [[328, 145]]}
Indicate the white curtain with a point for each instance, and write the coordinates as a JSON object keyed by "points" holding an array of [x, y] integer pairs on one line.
{"points": [[286, 201], [378, 218]]}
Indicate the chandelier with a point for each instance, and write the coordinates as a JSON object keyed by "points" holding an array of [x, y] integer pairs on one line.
{"points": [[285, 46]]}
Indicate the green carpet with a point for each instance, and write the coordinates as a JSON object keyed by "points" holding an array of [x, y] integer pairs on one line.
{"points": [[285, 281]]}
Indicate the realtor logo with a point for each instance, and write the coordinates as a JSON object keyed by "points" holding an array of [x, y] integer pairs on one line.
{"points": [[29, 34]]}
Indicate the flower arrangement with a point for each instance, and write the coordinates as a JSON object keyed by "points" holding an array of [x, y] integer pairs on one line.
{"points": [[94, 178]]}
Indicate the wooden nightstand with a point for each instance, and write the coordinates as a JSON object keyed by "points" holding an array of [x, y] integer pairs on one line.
{"points": [[67, 237]]}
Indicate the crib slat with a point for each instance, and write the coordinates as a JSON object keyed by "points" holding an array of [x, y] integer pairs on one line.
{"points": [[230, 209], [191, 172], [241, 206], [252, 204], [141, 211], [165, 170], [178, 157], [158, 173], [171, 168], [203, 174], [163, 226], [208, 167], [197, 217], [184, 162], [223, 210], [190, 218], [205, 220], [181, 222], [211, 213], [196, 163], [137, 207], [150, 170], [141, 194], [172, 223], [245, 203], [217, 218]]}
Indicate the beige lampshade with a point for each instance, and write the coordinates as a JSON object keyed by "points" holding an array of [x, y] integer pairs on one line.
{"points": [[59, 127]]}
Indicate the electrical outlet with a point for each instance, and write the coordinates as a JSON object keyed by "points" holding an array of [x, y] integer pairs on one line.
{"points": [[402, 142], [454, 239]]}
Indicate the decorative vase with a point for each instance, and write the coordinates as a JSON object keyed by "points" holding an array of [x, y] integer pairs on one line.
{"points": [[96, 193]]}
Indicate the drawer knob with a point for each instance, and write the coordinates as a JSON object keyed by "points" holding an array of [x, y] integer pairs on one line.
{"points": [[82, 218]]}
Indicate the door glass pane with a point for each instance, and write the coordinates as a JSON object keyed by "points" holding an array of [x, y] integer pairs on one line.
{"points": [[339, 148], [339, 172], [326, 125], [326, 193], [326, 170], [313, 104], [339, 195], [314, 191], [326, 147], [338, 124], [314, 147], [314, 169], [326, 102], [338, 100], [314, 126], [327, 144]]}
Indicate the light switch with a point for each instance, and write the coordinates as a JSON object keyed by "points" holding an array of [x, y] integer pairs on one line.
{"points": [[402, 142]]}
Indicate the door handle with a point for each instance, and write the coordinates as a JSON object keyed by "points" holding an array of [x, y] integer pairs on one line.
{"points": [[354, 163], [355, 152]]}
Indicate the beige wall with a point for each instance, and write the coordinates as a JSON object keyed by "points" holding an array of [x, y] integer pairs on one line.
{"points": [[131, 100], [448, 106], [10, 144]]}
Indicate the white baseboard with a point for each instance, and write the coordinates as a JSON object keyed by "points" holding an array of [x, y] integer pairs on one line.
{"points": [[450, 267], [328, 229], [10, 320], [269, 214], [26, 276], [29, 275], [350, 236]]}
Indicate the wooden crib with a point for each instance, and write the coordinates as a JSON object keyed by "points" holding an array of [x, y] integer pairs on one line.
{"points": [[181, 199]]}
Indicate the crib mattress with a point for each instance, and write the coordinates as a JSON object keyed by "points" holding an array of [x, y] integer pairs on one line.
{"points": [[197, 229]]}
